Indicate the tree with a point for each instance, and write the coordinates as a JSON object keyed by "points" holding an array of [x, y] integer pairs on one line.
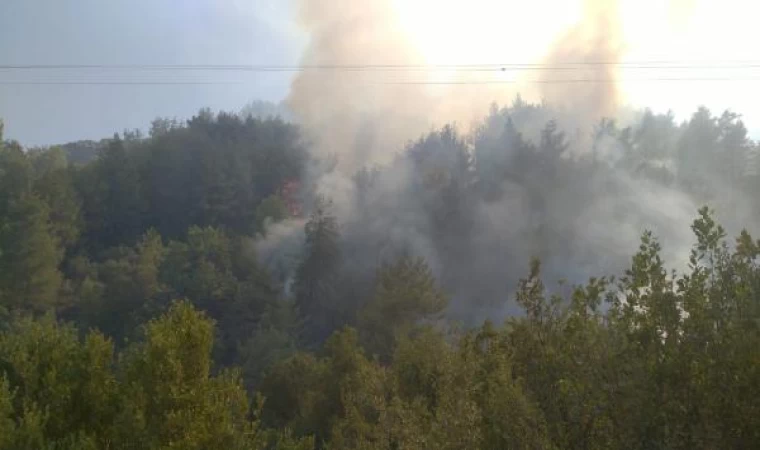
{"points": [[29, 275], [276, 336], [171, 400], [406, 294], [337, 398], [162, 126], [15, 175], [58, 390], [317, 274], [7, 425], [113, 206], [220, 275], [122, 291], [54, 183], [200, 269], [63, 389]]}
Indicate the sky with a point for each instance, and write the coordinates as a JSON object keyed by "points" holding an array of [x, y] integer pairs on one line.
{"points": [[267, 32], [135, 32], [713, 41]]}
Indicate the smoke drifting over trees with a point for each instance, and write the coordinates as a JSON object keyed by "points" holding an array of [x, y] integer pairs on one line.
{"points": [[380, 110], [333, 252], [597, 43], [356, 34], [562, 181]]}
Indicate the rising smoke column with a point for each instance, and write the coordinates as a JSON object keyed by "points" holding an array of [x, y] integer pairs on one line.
{"points": [[366, 114], [354, 112], [362, 116], [583, 76]]}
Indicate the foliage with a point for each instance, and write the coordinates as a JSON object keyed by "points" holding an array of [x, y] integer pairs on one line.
{"points": [[29, 273], [316, 277], [59, 391], [406, 294], [353, 348]]}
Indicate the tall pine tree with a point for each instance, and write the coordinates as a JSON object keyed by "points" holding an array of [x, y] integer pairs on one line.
{"points": [[29, 276], [317, 274]]}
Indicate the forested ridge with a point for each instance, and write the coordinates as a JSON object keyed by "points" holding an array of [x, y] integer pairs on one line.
{"points": [[216, 284]]}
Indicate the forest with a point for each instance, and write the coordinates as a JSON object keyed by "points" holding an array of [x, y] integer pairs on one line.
{"points": [[217, 284]]}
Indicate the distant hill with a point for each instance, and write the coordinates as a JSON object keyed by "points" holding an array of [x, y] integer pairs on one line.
{"points": [[82, 152]]}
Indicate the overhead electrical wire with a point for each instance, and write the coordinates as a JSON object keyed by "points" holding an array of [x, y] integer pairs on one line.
{"points": [[456, 82], [93, 74], [495, 67], [572, 80], [118, 83], [430, 83]]}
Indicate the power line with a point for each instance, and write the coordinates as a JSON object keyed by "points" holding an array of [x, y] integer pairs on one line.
{"points": [[571, 81], [580, 65], [581, 68], [433, 83], [118, 83]]}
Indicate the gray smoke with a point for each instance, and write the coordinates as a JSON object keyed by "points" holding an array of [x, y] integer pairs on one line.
{"points": [[593, 49], [479, 201]]}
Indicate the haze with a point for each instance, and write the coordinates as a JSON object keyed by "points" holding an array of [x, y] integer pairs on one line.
{"points": [[379, 224], [269, 32]]}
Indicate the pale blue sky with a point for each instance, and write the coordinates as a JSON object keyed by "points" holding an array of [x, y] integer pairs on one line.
{"points": [[136, 32]]}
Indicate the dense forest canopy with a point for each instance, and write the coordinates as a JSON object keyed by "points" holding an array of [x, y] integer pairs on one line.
{"points": [[219, 284]]}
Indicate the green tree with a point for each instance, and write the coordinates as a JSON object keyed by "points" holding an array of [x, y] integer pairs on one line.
{"points": [[201, 268], [113, 205], [317, 274], [171, 398], [54, 183], [337, 398], [406, 294], [220, 275], [124, 290], [15, 175], [7, 424], [275, 337], [63, 389], [30, 255]]}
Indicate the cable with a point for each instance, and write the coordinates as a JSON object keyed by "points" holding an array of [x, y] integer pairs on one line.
{"points": [[568, 81], [569, 67], [118, 83], [393, 67], [474, 82]]}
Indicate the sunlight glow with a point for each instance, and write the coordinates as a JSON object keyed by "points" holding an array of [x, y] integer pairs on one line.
{"points": [[457, 32], [484, 31]]}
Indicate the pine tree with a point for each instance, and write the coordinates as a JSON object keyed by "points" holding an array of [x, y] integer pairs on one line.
{"points": [[406, 294], [54, 183], [29, 275], [317, 274], [113, 205]]}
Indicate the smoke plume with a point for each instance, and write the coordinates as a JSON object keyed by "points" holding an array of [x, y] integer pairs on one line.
{"points": [[592, 51], [480, 199], [353, 112]]}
